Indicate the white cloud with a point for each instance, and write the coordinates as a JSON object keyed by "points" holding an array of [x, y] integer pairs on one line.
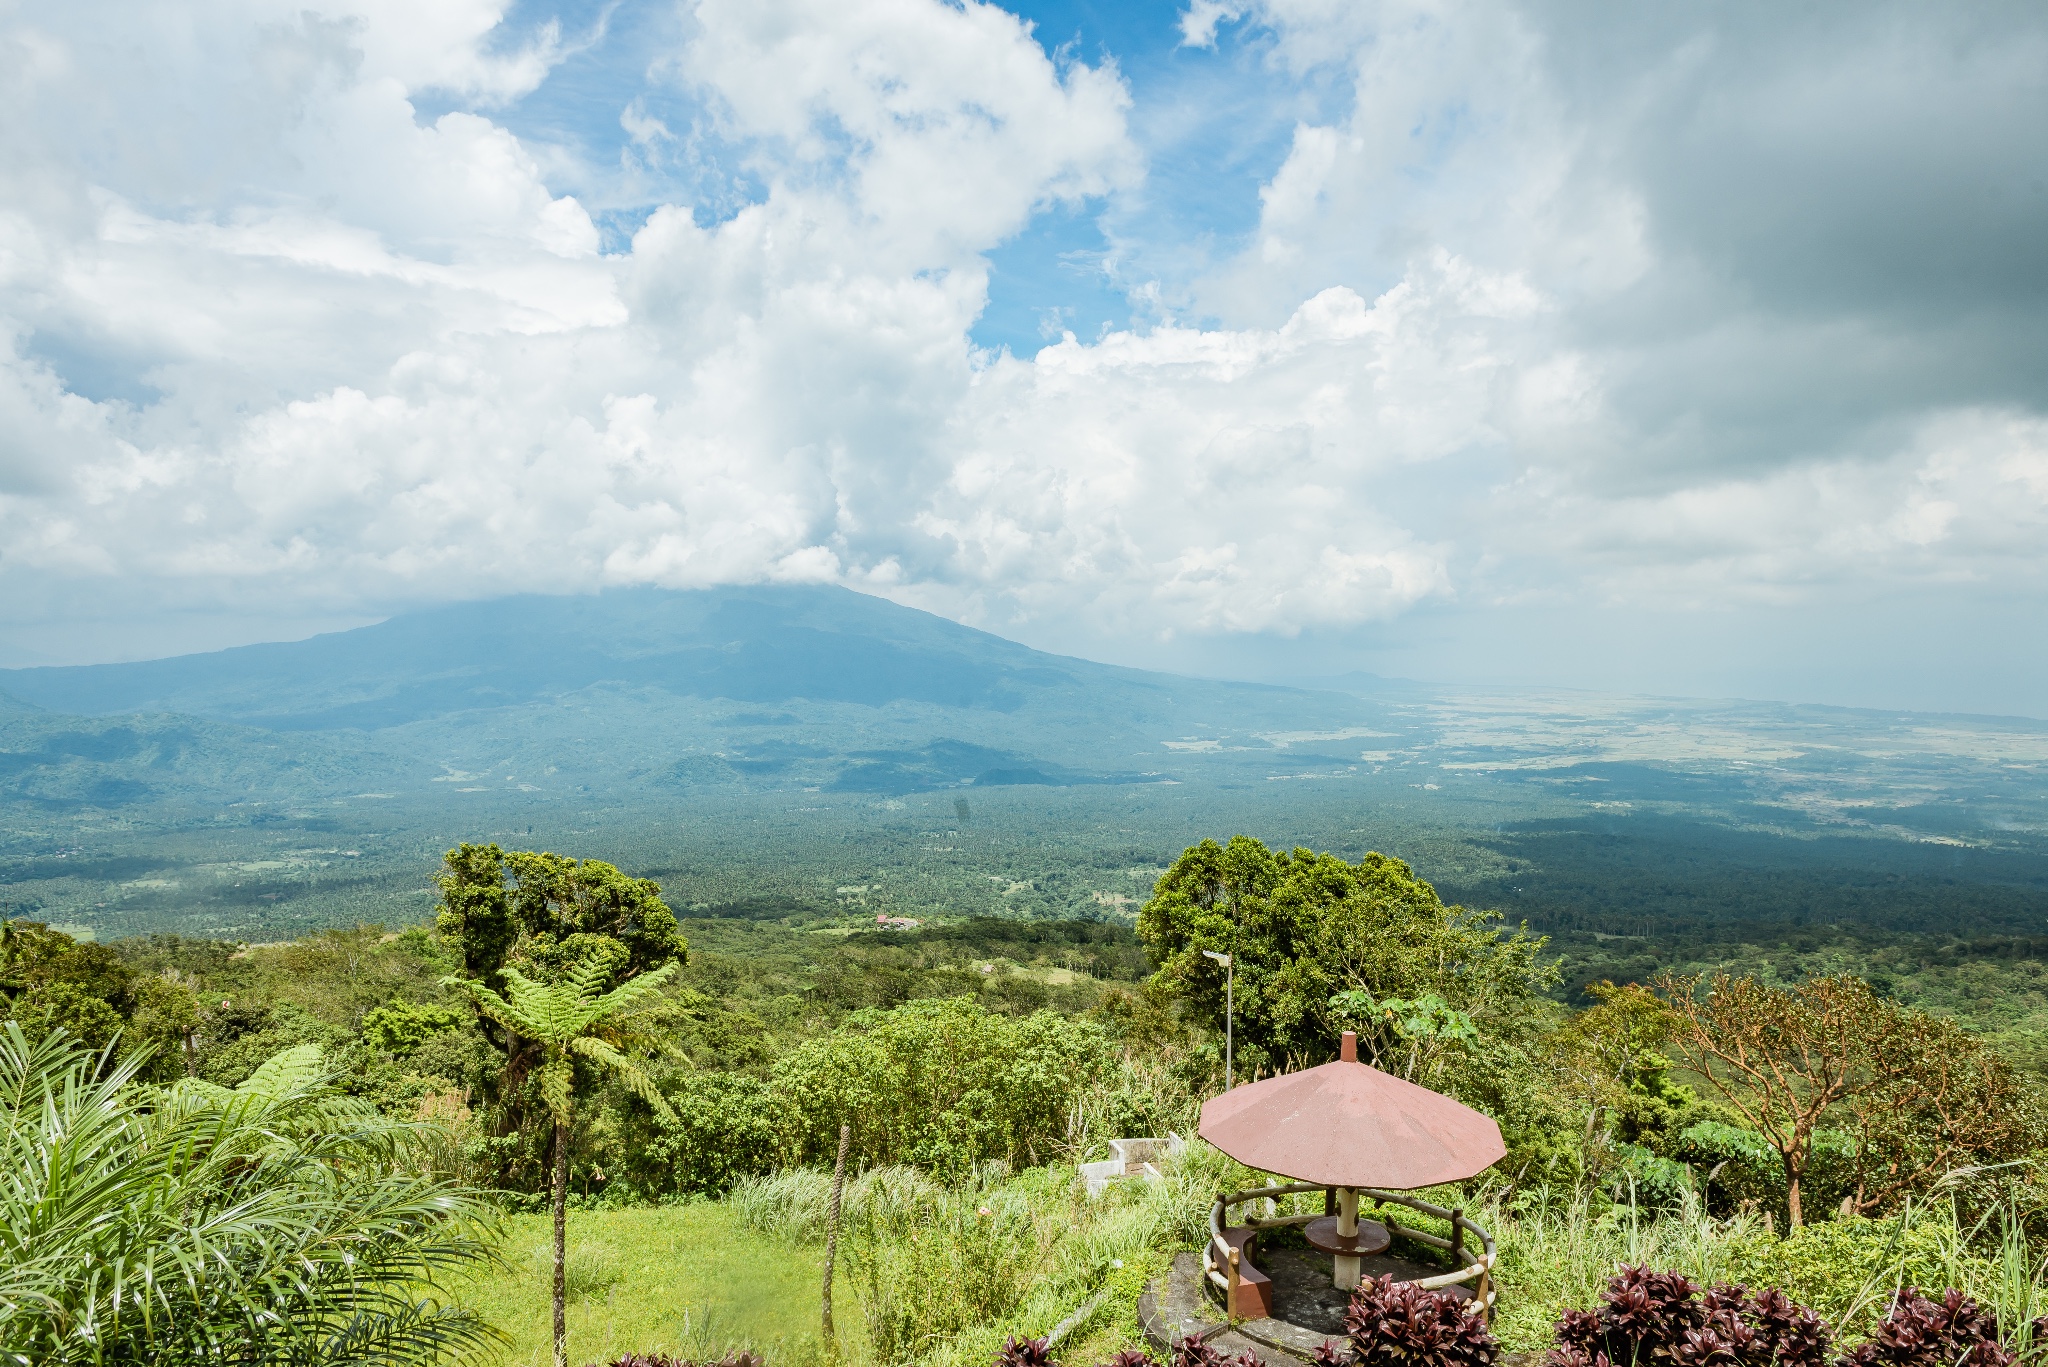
{"points": [[943, 126], [1199, 20], [403, 368], [273, 335]]}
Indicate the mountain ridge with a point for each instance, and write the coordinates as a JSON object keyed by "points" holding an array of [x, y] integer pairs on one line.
{"points": [[653, 692], [751, 644]]}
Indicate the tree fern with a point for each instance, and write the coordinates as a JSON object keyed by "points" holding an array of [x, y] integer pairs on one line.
{"points": [[572, 1020]]}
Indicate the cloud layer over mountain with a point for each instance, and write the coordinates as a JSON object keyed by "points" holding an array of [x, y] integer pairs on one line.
{"points": [[1675, 331]]}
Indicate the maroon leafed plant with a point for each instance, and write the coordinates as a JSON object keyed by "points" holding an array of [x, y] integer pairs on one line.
{"points": [[1650, 1318], [1194, 1352], [1132, 1357], [1401, 1324], [1025, 1353], [1918, 1332]]}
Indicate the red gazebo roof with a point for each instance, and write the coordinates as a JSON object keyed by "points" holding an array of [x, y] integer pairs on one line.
{"points": [[1349, 1125]]}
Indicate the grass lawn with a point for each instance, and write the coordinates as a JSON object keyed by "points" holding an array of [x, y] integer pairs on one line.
{"points": [[679, 1279]]}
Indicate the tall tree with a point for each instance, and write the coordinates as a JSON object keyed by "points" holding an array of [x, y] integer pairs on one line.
{"points": [[1935, 1098], [570, 1021], [1783, 1057], [545, 915], [1612, 1055], [1917, 1095], [1306, 928]]}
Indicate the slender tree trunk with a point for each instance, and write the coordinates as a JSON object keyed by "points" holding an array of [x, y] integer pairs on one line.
{"points": [[1792, 1175], [560, 1201], [832, 1228]]}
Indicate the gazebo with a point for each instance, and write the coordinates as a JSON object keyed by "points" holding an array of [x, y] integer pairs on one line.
{"points": [[1349, 1130]]}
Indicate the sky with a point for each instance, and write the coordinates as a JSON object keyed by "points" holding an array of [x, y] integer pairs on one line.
{"points": [[1683, 349]]}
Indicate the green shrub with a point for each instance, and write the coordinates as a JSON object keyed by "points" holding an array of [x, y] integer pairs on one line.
{"points": [[1649, 1181], [1744, 1168], [596, 1268], [284, 1026], [943, 1085], [1847, 1269], [402, 1027], [726, 1126], [1137, 1096], [66, 1007]]}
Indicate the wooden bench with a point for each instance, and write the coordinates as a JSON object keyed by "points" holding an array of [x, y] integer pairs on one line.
{"points": [[1254, 1290]]}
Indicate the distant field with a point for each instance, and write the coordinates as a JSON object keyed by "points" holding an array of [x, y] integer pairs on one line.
{"points": [[685, 1280]]}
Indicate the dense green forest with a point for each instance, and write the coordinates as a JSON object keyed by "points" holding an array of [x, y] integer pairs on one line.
{"points": [[565, 1033]]}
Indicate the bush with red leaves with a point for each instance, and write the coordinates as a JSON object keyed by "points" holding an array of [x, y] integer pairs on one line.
{"points": [[1194, 1352], [1767, 1327], [1025, 1353], [1400, 1324], [1660, 1319], [1132, 1357], [1918, 1332]]}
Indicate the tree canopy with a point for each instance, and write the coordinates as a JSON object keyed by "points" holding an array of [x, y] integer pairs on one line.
{"points": [[547, 915], [1322, 945], [50, 982], [1918, 1095]]}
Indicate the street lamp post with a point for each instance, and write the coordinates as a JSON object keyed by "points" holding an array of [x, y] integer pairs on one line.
{"points": [[1229, 985]]}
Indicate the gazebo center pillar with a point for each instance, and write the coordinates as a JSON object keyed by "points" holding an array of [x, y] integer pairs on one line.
{"points": [[1347, 1269]]}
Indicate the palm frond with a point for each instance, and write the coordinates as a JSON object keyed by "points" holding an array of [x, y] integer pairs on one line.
{"points": [[262, 1223]]}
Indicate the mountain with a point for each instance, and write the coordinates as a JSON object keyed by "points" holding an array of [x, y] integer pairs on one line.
{"points": [[812, 686], [764, 644]]}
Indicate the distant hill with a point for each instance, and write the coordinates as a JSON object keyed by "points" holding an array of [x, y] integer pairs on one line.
{"points": [[760, 644], [785, 685]]}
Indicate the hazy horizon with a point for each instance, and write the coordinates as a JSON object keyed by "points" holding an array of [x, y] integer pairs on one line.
{"points": [[1294, 679]]}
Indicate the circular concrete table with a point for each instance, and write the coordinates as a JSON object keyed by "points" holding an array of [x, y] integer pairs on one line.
{"points": [[1324, 1236]]}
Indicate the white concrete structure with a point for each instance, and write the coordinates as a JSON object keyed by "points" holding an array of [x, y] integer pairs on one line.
{"points": [[1130, 1158]]}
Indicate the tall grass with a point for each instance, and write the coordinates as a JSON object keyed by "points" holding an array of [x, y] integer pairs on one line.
{"points": [[926, 1273], [1556, 1254], [791, 1204], [942, 1274]]}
